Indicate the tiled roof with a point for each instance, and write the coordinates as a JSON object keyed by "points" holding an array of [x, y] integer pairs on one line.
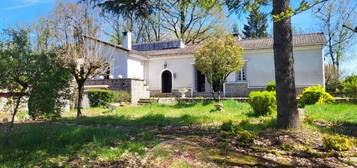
{"points": [[248, 44]]}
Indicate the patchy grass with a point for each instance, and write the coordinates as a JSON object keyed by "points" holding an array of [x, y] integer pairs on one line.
{"points": [[42, 145], [336, 113], [175, 114], [49, 145]]}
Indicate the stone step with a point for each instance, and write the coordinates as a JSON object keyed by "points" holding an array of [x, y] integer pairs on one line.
{"points": [[147, 101]]}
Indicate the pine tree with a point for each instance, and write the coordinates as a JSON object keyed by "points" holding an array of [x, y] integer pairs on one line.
{"points": [[257, 25]]}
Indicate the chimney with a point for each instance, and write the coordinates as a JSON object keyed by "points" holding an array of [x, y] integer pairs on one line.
{"points": [[182, 44], [127, 40]]}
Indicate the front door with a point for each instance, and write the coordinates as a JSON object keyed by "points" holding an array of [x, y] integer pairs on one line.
{"points": [[166, 82], [200, 81]]}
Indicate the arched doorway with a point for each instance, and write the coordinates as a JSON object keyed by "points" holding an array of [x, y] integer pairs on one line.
{"points": [[166, 82]]}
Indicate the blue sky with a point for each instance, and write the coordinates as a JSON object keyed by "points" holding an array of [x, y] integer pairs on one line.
{"points": [[28, 11]]}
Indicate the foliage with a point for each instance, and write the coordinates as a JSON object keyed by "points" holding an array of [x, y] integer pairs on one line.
{"points": [[100, 97], [49, 90], [263, 103], [337, 142], [350, 86], [334, 16], [228, 126], [75, 25], [18, 66], [245, 137], [192, 21], [217, 58], [313, 95], [257, 24], [122, 96], [271, 86], [332, 83]]}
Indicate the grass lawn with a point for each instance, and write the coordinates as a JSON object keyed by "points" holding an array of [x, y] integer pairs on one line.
{"points": [[337, 113], [175, 114], [43, 145], [49, 144]]}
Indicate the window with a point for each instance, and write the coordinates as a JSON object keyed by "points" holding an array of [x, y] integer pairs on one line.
{"points": [[241, 75]]}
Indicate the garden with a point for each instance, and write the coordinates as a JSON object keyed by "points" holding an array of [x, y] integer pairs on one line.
{"points": [[193, 134]]}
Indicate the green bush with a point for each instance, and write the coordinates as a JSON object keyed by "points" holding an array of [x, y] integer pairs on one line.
{"points": [[228, 127], [337, 142], [100, 97], [122, 96], [270, 86], [350, 86], [245, 137], [315, 95], [49, 88], [263, 103]]}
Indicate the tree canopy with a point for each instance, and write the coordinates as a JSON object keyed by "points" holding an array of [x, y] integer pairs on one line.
{"points": [[217, 58]]}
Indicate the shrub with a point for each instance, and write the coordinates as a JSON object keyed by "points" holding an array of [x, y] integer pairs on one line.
{"points": [[49, 89], [315, 95], [122, 96], [100, 97], [228, 127], [350, 86], [263, 103], [270, 86], [245, 137], [337, 142]]}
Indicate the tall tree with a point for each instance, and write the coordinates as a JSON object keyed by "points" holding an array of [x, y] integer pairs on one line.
{"points": [[257, 24], [190, 20], [333, 16], [128, 9], [288, 116], [76, 25], [16, 72]]}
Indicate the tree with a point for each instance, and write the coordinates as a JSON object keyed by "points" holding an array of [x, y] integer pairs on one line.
{"points": [[331, 78], [288, 116], [334, 15], [217, 58], [16, 72], [116, 25], [257, 24], [190, 21], [77, 27], [129, 9]]}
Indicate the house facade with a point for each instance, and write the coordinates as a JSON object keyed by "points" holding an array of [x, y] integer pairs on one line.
{"points": [[167, 66]]}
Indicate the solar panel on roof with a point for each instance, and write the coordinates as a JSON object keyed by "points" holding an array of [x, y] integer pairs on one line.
{"points": [[157, 45]]}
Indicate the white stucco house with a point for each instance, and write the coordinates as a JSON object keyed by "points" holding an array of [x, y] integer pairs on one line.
{"points": [[167, 66]]}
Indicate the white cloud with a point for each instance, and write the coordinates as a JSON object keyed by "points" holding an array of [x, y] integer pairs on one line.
{"points": [[25, 3]]}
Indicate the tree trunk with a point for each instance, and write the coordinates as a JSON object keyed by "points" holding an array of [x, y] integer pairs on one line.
{"points": [[16, 109], [288, 115], [80, 99]]}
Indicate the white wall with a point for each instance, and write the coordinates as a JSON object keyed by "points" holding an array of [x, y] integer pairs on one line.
{"points": [[308, 68], [260, 69], [181, 67], [117, 58], [135, 68]]}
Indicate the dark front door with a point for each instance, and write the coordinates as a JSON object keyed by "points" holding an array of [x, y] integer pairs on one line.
{"points": [[200, 81], [166, 81]]}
